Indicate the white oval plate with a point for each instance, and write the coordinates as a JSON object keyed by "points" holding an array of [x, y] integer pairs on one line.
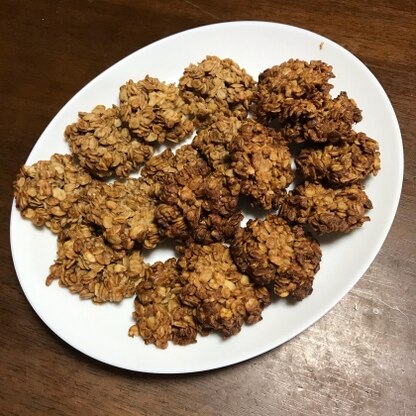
{"points": [[101, 331]]}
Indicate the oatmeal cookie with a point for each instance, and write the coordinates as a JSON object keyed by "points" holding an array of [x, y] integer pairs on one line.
{"points": [[154, 111], [194, 201], [326, 209], [159, 314], [224, 299], [262, 164], [271, 251], [295, 95], [340, 164], [213, 142], [330, 120], [216, 86], [47, 192], [87, 265], [293, 88], [124, 211], [103, 145]]}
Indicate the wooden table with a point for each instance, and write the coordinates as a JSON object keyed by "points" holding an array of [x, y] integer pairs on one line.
{"points": [[49, 50]]}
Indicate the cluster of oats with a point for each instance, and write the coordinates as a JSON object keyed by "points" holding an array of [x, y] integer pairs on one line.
{"points": [[293, 89], [296, 95], [86, 264], [194, 202], [225, 274], [224, 298], [213, 142], [343, 164], [124, 212], [330, 121], [60, 195], [201, 292], [103, 145], [48, 192], [325, 209], [272, 251], [334, 158], [154, 111], [159, 313], [262, 165], [216, 86]]}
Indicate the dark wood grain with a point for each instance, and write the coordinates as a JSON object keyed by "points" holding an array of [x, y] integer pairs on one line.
{"points": [[360, 359]]}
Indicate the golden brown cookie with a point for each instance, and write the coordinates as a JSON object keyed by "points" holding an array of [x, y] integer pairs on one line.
{"points": [[273, 252]]}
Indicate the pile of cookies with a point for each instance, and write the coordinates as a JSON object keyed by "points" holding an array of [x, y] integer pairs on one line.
{"points": [[242, 140]]}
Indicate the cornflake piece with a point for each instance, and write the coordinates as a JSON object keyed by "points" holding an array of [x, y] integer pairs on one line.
{"points": [[87, 265], [262, 164], [216, 86], [223, 298], [342, 164], [154, 111], [273, 252], [195, 203], [48, 191], [325, 209], [293, 88], [125, 211], [160, 317], [103, 145]]}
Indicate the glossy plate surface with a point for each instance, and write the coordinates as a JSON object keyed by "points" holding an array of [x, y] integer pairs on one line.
{"points": [[101, 331]]}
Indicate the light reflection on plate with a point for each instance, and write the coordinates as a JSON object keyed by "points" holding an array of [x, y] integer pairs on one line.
{"points": [[101, 331]]}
